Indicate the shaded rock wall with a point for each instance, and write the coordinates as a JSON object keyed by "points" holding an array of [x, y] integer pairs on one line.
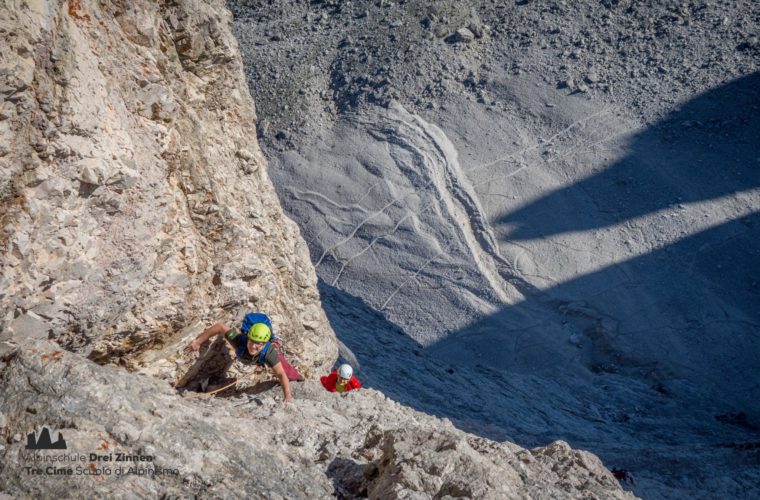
{"points": [[135, 199]]}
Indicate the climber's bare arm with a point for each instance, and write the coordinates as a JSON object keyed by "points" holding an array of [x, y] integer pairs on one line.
{"points": [[215, 329], [279, 371]]}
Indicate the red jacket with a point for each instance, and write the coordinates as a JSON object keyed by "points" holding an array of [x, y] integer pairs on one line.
{"points": [[329, 382]]}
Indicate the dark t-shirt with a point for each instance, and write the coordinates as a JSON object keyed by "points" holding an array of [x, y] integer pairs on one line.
{"points": [[271, 359]]}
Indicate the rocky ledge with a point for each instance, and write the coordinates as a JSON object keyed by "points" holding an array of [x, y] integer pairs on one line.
{"points": [[251, 443]]}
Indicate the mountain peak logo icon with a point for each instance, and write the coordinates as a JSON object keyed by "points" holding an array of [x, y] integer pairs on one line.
{"points": [[43, 442]]}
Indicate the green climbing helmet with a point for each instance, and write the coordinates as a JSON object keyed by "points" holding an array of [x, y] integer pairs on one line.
{"points": [[259, 333]]}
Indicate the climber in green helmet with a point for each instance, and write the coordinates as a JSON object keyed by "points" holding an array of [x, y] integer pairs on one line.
{"points": [[254, 343]]}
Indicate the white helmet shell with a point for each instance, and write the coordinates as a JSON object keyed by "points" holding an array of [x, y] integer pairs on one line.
{"points": [[345, 371]]}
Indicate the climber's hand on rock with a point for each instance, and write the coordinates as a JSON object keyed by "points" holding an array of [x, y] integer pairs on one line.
{"points": [[193, 346]]}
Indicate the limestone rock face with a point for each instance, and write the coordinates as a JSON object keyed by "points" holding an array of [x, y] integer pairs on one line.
{"points": [[136, 205], [251, 444]]}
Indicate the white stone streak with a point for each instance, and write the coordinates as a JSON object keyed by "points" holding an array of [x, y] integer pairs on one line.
{"points": [[435, 158]]}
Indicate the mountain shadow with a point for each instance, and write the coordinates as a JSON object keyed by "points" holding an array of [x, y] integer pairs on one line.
{"points": [[707, 148]]}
